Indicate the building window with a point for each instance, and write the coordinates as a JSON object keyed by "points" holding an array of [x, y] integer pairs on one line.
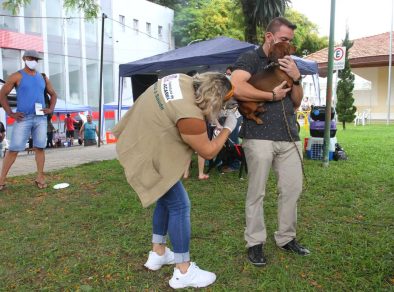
{"points": [[11, 62], [122, 20], [92, 71], [160, 31], [148, 28], [75, 78], [8, 22], [73, 28], [57, 74], [54, 22], [91, 31], [135, 24], [108, 82], [33, 17]]}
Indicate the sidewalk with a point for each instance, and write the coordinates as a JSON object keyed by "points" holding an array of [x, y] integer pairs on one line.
{"points": [[57, 158]]}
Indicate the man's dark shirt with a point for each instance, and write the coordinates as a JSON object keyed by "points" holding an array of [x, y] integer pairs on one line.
{"points": [[274, 127]]}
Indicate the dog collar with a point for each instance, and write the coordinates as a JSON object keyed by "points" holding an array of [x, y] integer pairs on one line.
{"points": [[271, 65]]}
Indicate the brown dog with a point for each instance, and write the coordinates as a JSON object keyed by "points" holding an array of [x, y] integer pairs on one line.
{"points": [[267, 80]]}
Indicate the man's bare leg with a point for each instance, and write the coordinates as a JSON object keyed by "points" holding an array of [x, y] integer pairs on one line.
{"points": [[40, 161], [8, 161]]}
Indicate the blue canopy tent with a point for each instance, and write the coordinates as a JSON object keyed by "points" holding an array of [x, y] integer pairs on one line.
{"points": [[126, 104], [220, 50], [306, 67], [206, 55], [63, 107]]}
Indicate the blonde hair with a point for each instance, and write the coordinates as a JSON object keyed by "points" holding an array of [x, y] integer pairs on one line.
{"points": [[210, 89]]}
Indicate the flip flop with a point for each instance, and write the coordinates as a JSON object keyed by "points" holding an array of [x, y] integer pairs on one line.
{"points": [[3, 187], [41, 185]]}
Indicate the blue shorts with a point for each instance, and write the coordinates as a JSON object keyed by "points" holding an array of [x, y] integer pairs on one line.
{"points": [[30, 126]]}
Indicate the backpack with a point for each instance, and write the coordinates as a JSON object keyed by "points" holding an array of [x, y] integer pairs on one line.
{"points": [[339, 153]]}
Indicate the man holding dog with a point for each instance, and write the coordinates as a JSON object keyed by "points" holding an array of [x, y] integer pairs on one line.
{"points": [[275, 143]]}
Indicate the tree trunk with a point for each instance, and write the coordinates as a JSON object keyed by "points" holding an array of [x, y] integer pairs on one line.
{"points": [[344, 125], [248, 7]]}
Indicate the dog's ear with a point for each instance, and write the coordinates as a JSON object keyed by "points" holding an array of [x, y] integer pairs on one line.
{"points": [[292, 50]]}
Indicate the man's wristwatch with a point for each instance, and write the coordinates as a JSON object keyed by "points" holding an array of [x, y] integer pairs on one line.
{"points": [[298, 81]]}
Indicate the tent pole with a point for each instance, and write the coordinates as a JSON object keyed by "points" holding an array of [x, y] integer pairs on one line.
{"points": [[103, 17], [120, 94]]}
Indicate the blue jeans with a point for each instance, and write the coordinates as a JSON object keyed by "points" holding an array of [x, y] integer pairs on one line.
{"points": [[30, 125], [172, 214]]}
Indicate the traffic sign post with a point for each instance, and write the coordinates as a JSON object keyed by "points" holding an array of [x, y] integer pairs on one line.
{"points": [[339, 58]]}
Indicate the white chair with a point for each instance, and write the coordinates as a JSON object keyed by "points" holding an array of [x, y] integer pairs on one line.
{"points": [[362, 117]]}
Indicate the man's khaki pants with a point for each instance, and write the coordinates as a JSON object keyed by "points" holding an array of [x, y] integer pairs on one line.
{"points": [[283, 157]]}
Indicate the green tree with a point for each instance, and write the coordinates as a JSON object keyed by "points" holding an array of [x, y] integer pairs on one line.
{"points": [[258, 13], [344, 107], [306, 38], [89, 7], [266, 10], [206, 19], [250, 30]]}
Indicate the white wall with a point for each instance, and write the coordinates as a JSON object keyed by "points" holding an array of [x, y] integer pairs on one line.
{"points": [[131, 45], [371, 97]]}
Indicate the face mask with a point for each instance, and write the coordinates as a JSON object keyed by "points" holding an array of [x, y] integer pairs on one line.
{"points": [[31, 64]]}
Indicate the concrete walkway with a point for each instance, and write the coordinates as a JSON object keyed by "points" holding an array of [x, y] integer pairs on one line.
{"points": [[58, 158]]}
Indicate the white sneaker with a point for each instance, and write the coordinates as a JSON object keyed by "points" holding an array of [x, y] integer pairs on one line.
{"points": [[194, 277], [155, 261]]}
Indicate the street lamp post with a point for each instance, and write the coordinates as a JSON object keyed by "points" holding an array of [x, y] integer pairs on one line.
{"points": [[103, 17]]}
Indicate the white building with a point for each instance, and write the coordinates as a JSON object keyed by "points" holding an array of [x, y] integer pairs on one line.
{"points": [[71, 46]]}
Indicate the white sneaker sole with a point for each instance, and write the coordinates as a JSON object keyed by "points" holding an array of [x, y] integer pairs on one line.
{"points": [[176, 285], [157, 267], [153, 268]]}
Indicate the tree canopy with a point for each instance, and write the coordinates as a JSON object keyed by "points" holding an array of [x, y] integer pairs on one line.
{"points": [[345, 104], [206, 19], [306, 38]]}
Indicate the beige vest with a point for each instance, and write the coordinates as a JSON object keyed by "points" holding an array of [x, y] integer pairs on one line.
{"points": [[149, 145]]}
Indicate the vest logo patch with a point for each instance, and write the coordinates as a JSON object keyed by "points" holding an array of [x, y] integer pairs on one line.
{"points": [[170, 88]]}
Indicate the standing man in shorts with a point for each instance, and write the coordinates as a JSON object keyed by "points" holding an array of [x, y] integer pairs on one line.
{"points": [[69, 128], [30, 116]]}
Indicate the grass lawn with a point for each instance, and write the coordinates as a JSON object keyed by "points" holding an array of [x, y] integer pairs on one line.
{"points": [[95, 236]]}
